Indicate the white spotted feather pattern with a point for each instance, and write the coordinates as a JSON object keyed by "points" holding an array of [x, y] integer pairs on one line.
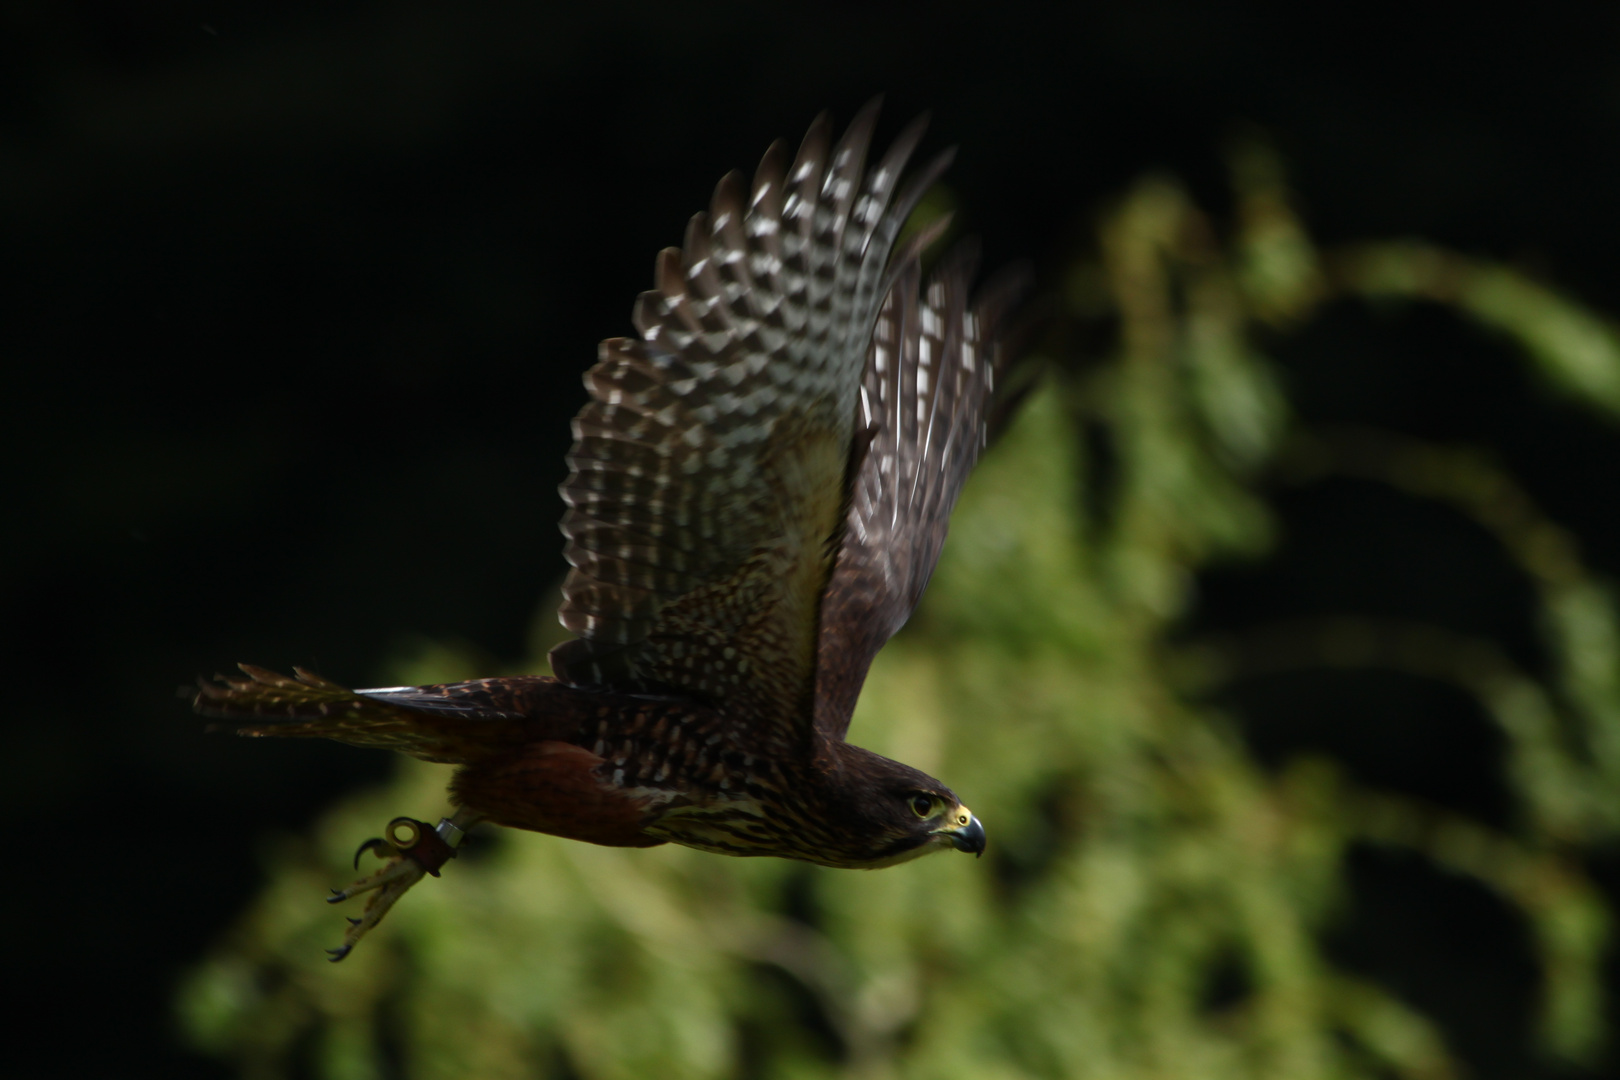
{"points": [[924, 410], [709, 474]]}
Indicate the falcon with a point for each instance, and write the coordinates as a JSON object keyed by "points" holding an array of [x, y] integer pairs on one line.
{"points": [[759, 488]]}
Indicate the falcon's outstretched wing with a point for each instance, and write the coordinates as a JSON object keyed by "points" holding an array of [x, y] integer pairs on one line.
{"points": [[709, 469], [925, 407]]}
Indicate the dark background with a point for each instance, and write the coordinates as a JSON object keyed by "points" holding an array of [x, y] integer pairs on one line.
{"points": [[300, 294]]}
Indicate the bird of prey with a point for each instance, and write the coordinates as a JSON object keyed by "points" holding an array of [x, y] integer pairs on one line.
{"points": [[759, 487]]}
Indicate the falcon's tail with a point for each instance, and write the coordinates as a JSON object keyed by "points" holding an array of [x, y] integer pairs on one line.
{"points": [[450, 724]]}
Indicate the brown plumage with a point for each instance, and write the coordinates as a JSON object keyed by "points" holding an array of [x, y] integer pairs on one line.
{"points": [[760, 486]]}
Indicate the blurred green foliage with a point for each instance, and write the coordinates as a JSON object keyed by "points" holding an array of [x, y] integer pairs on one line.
{"points": [[1156, 901]]}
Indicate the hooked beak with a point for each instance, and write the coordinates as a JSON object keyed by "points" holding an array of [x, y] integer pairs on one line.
{"points": [[969, 837]]}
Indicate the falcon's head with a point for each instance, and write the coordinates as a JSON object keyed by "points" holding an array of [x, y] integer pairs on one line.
{"points": [[882, 813]]}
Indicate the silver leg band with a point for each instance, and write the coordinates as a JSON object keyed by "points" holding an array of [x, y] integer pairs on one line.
{"points": [[450, 833]]}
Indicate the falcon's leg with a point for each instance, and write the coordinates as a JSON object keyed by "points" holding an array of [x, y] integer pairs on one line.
{"points": [[410, 850]]}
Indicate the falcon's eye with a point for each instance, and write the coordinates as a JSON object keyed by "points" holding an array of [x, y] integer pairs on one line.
{"points": [[923, 805]]}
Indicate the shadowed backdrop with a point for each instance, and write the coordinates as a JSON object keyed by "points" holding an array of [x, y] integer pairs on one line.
{"points": [[301, 294]]}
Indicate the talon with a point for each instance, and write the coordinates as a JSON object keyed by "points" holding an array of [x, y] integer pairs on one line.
{"points": [[370, 845], [409, 849]]}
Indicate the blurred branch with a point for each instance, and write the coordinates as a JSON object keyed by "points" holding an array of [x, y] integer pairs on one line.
{"points": [[1155, 900]]}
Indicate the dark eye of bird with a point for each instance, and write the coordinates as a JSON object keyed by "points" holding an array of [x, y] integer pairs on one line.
{"points": [[922, 805]]}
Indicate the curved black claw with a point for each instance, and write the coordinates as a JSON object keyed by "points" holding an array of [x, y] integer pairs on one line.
{"points": [[356, 922], [370, 845], [338, 896], [334, 955]]}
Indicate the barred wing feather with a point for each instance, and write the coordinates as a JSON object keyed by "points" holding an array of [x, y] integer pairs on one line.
{"points": [[925, 408], [709, 471]]}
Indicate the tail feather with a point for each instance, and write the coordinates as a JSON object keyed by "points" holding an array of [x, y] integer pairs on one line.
{"points": [[431, 723]]}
